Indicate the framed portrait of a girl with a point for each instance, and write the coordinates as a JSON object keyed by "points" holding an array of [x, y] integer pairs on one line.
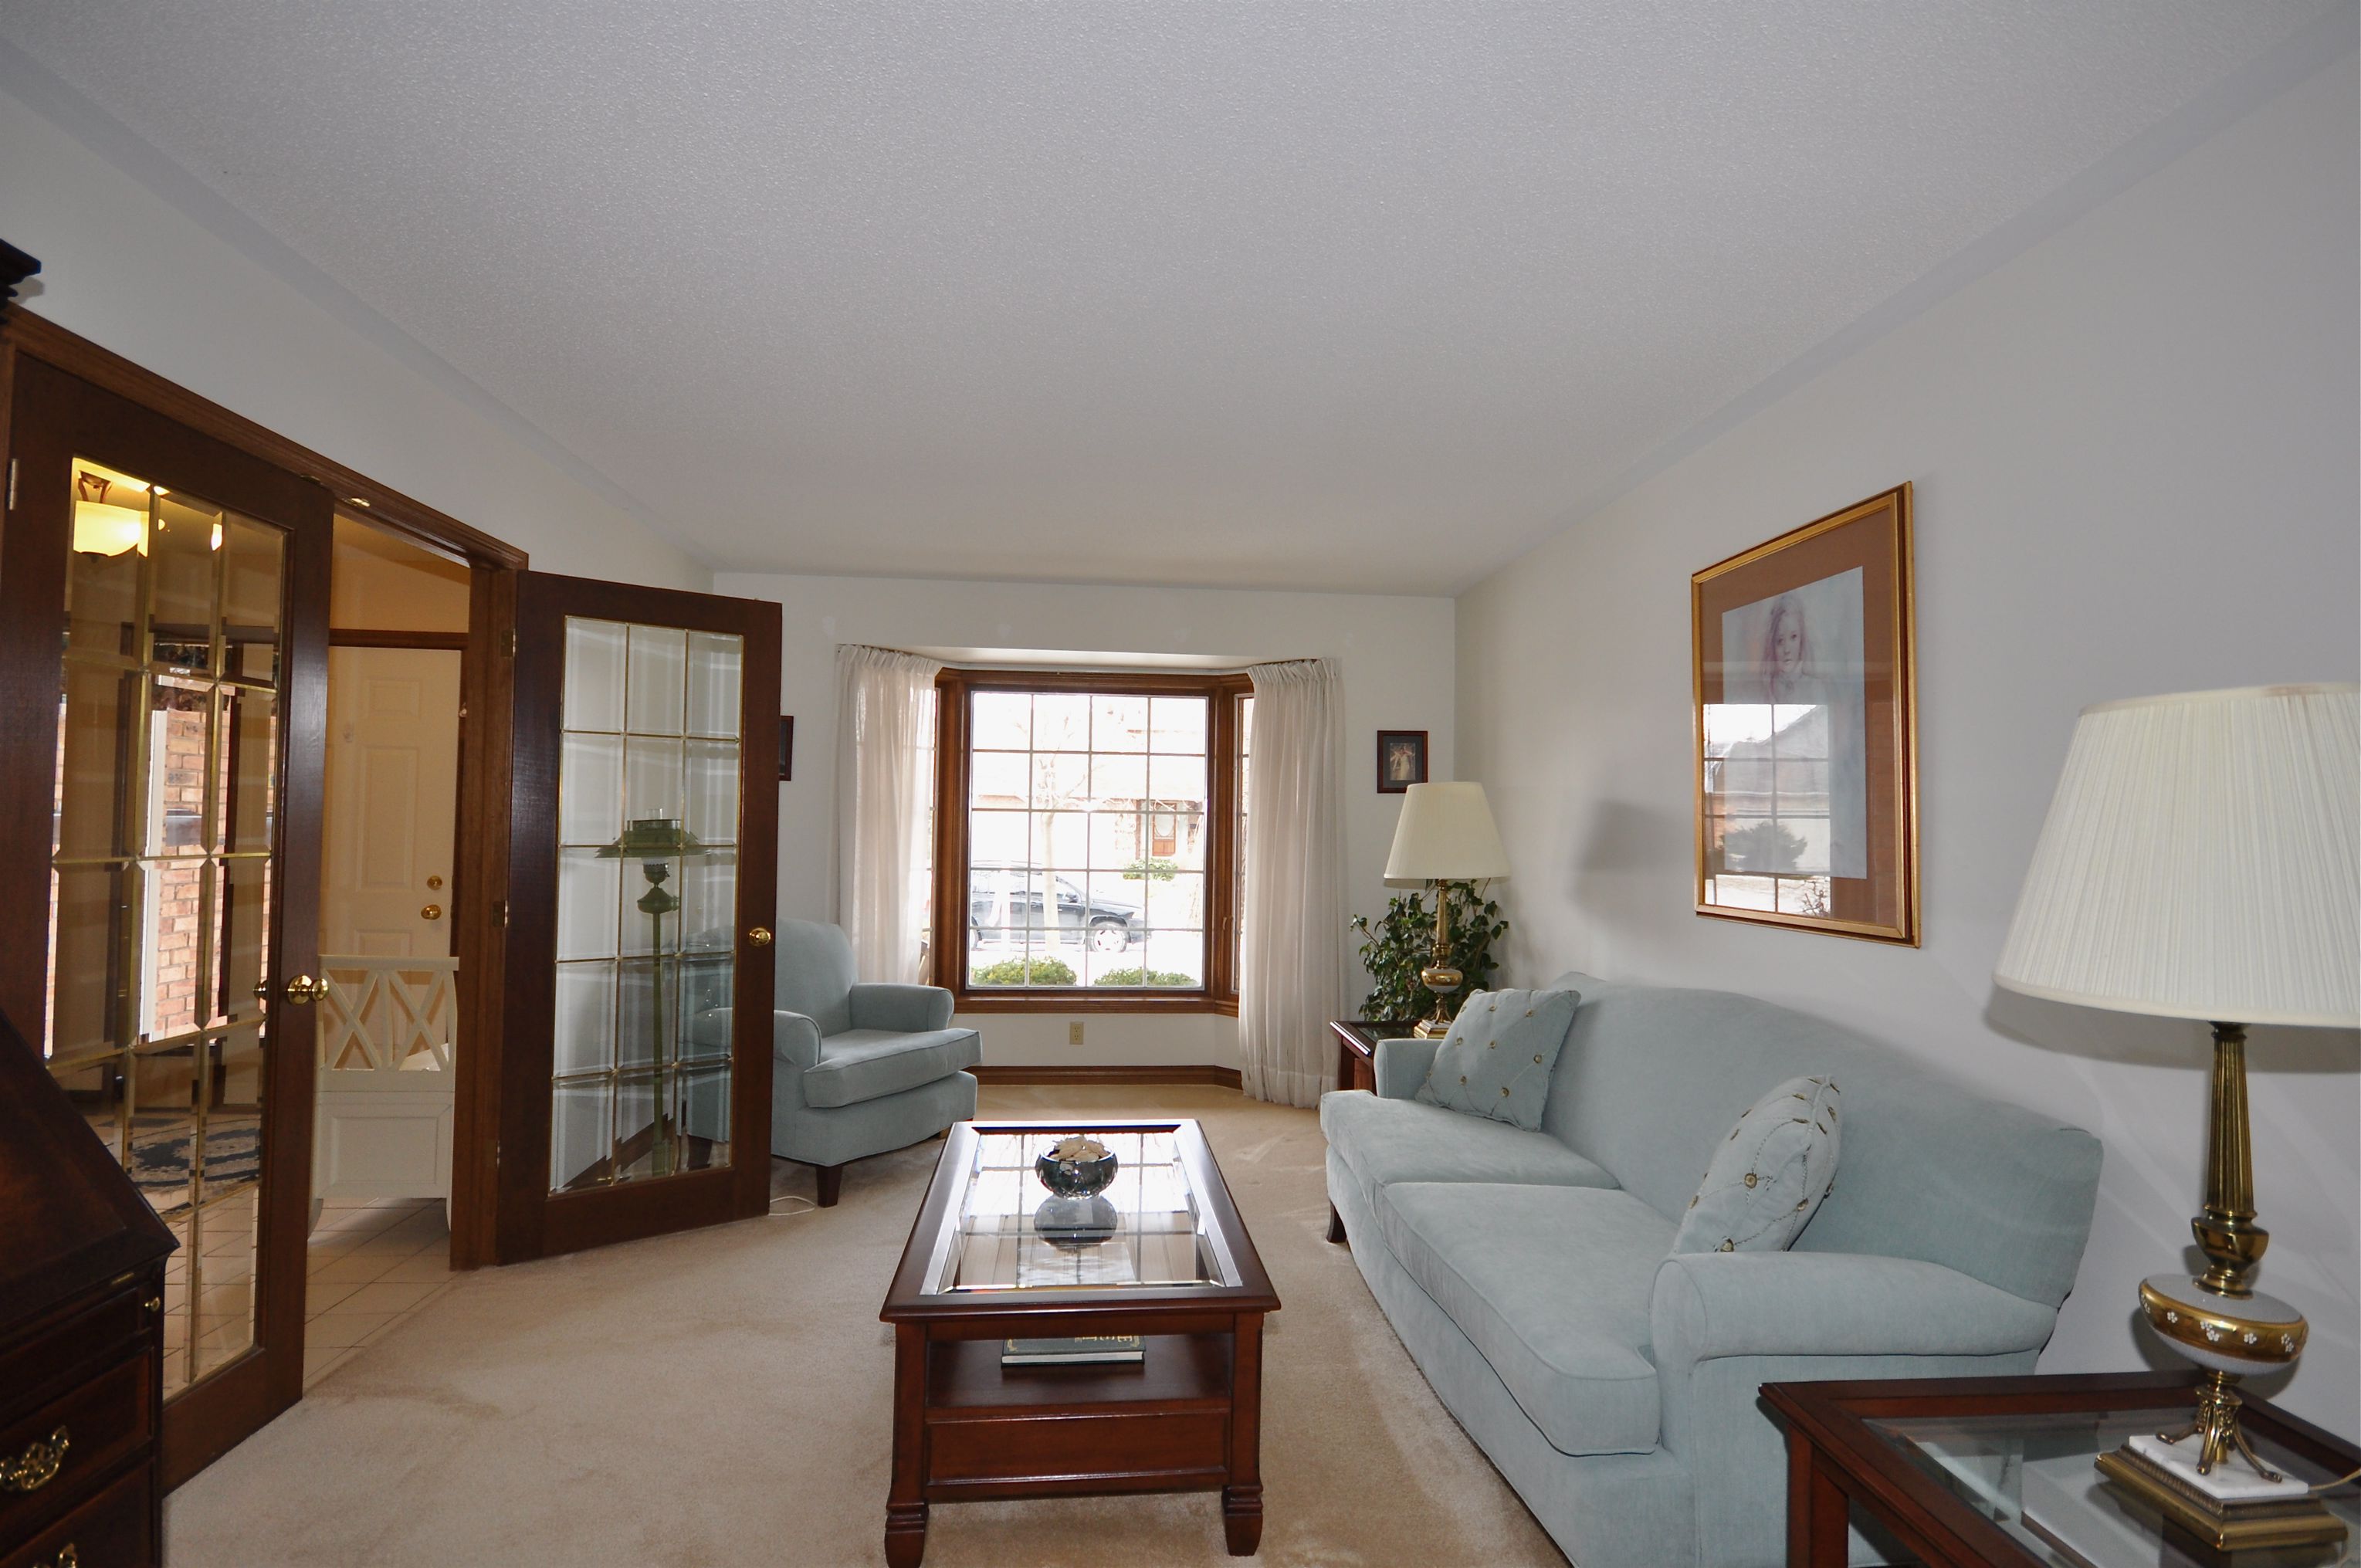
{"points": [[1806, 727]]}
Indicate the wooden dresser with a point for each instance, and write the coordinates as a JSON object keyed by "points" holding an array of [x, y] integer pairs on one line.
{"points": [[82, 1336]]}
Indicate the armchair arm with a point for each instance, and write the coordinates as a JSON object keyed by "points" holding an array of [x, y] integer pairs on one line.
{"points": [[795, 1040], [904, 1009], [1709, 1305], [1402, 1066]]}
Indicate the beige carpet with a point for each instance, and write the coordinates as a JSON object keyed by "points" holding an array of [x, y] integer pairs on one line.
{"points": [[723, 1398]]}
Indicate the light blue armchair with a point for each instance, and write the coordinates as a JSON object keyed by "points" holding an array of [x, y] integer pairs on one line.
{"points": [[860, 1069]]}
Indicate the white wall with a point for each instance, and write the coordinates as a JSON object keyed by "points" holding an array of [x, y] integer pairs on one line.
{"points": [[2134, 448], [151, 278], [1395, 658]]}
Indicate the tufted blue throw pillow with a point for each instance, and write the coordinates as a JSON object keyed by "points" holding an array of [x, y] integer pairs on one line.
{"points": [[1769, 1175], [1495, 1061]]}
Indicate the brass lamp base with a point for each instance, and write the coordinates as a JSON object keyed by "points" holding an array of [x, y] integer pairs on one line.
{"points": [[1443, 980], [1441, 977], [2296, 1519], [2229, 1329]]}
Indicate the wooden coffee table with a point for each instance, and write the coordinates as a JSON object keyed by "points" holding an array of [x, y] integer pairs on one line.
{"points": [[1178, 1269]]}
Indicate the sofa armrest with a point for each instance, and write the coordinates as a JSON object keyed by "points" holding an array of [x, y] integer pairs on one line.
{"points": [[904, 1009], [1402, 1066], [1721, 1325], [1709, 1305], [795, 1041]]}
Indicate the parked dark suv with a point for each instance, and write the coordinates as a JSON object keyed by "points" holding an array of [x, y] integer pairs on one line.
{"points": [[1111, 925]]}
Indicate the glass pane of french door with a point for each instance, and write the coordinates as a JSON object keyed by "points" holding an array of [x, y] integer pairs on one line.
{"points": [[647, 902], [160, 875]]}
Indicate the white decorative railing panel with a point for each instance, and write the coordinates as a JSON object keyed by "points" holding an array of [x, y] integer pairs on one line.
{"points": [[389, 1035], [388, 1016]]}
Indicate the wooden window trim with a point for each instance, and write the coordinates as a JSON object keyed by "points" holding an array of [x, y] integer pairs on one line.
{"points": [[948, 939]]}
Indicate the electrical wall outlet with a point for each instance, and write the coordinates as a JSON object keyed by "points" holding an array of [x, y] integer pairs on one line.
{"points": [[1074, 1034]]}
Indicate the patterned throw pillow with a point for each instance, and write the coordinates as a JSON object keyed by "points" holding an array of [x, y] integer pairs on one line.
{"points": [[1495, 1061], [1769, 1175]]}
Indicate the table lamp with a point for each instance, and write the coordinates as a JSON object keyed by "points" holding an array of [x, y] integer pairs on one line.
{"points": [[1446, 835], [2202, 859]]}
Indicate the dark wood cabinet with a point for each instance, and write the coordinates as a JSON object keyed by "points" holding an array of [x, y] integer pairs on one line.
{"points": [[82, 1336]]}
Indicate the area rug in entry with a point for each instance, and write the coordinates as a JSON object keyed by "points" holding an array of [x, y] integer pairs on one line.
{"points": [[160, 1147]]}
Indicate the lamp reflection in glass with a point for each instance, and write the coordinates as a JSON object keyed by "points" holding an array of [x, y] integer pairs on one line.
{"points": [[655, 843], [113, 512]]}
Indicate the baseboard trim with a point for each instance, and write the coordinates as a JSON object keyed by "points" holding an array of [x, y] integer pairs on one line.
{"points": [[1216, 1077]]}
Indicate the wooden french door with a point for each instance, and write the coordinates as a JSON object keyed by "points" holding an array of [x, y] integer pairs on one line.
{"points": [[635, 1069], [163, 645]]}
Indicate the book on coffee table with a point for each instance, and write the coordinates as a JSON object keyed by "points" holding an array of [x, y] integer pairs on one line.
{"points": [[1088, 1350]]}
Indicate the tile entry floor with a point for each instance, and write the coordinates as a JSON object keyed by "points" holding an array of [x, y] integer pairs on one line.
{"points": [[371, 1266]]}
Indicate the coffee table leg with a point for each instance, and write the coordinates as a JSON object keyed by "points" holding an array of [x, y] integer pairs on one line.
{"points": [[1242, 1519], [906, 1506], [1242, 1498], [906, 1535]]}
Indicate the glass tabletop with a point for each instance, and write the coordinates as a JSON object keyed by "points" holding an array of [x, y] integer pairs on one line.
{"points": [[2035, 1477], [1145, 1229]]}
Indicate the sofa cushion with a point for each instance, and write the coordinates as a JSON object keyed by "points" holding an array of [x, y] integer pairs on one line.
{"points": [[1385, 1141], [1552, 1284], [1495, 1061], [863, 1064], [1768, 1176]]}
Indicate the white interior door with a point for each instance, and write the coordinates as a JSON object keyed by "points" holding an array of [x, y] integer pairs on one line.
{"points": [[393, 771]]}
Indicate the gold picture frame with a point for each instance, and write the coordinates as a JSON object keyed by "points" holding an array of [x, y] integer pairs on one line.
{"points": [[1804, 727]]}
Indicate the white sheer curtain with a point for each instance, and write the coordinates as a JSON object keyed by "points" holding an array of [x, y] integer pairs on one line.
{"points": [[885, 805], [1291, 976]]}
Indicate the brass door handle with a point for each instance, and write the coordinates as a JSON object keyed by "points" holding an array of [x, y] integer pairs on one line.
{"points": [[760, 936], [432, 912], [37, 1466], [303, 988]]}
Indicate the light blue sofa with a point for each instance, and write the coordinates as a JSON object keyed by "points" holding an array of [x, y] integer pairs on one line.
{"points": [[1614, 1385], [858, 1069]]}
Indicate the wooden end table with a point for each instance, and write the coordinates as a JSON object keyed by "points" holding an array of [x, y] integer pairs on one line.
{"points": [[1175, 1268], [1357, 1049], [1974, 1471]]}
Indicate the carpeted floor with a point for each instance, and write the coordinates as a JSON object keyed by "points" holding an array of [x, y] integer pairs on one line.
{"points": [[723, 1398]]}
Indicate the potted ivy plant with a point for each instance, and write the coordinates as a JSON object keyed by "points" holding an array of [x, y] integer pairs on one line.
{"points": [[1399, 943]]}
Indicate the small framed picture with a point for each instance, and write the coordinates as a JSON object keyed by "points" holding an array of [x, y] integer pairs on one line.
{"points": [[787, 747], [1806, 755], [1401, 760]]}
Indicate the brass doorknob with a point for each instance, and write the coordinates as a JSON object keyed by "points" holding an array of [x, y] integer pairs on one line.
{"points": [[432, 912], [303, 988], [760, 936], [433, 882]]}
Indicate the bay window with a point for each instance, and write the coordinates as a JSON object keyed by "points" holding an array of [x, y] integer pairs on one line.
{"points": [[1087, 845]]}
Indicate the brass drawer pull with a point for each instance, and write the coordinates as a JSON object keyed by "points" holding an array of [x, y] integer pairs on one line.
{"points": [[35, 1468]]}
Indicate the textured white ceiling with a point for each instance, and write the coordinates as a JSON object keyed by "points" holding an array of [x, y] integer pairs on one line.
{"points": [[1360, 296]]}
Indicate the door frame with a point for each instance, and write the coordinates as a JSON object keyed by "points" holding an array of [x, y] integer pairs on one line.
{"points": [[480, 855]]}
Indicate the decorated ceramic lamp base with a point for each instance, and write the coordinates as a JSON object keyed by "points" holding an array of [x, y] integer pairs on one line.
{"points": [[2207, 1477]]}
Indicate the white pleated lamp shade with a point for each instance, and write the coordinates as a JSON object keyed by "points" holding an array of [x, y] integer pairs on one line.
{"points": [[1445, 834], [2202, 859]]}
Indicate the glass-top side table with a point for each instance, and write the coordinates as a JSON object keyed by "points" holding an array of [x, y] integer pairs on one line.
{"points": [[2002, 1470]]}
